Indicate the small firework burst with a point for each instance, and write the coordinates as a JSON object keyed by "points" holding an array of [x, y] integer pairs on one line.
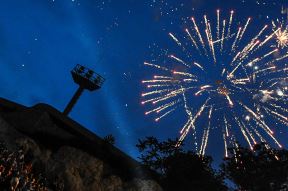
{"points": [[281, 33]]}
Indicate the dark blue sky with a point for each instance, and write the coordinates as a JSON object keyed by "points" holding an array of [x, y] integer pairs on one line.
{"points": [[42, 40]]}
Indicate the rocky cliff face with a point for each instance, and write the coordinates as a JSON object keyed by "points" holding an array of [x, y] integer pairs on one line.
{"points": [[68, 153]]}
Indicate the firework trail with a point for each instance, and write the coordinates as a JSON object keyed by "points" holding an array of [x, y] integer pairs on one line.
{"points": [[235, 81]]}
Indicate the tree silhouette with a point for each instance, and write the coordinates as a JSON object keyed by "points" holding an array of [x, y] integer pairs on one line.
{"points": [[262, 168], [179, 169]]}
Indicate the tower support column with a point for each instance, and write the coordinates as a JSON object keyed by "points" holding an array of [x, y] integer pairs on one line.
{"points": [[73, 100]]}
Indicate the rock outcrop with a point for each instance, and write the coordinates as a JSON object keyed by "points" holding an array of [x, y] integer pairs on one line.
{"points": [[69, 153]]}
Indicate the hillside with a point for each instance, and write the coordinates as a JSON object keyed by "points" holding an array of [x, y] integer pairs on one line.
{"points": [[67, 152]]}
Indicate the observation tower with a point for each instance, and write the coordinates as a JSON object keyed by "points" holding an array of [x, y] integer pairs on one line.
{"points": [[86, 79]]}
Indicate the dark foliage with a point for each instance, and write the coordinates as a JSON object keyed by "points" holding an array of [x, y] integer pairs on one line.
{"points": [[17, 172], [109, 139], [179, 169], [262, 168]]}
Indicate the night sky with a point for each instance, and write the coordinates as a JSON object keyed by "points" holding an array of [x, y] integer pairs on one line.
{"points": [[42, 40]]}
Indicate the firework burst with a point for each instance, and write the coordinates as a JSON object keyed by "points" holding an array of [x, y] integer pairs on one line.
{"points": [[223, 77], [280, 27], [281, 33]]}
